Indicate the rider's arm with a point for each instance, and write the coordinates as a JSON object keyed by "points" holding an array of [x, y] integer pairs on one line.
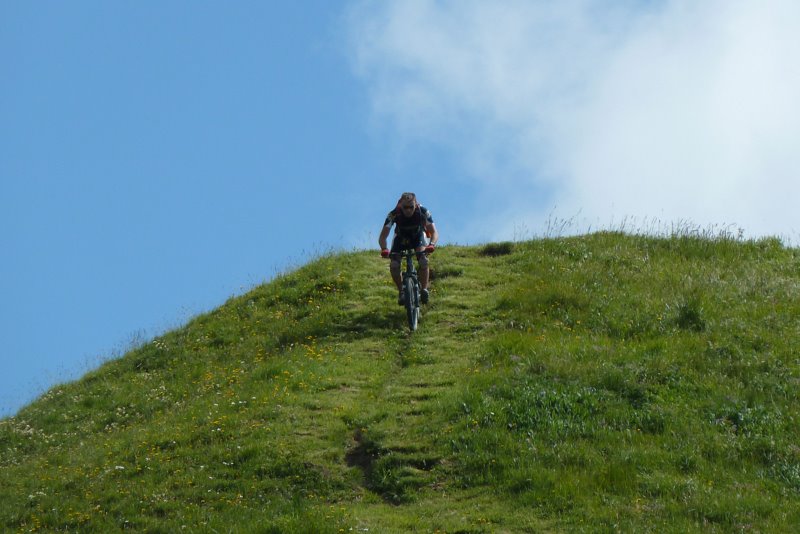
{"points": [[431, 229], [387, 227], [383, 237]]}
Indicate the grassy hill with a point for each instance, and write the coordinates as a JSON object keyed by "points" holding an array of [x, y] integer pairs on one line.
{"points": [[597, 383]]}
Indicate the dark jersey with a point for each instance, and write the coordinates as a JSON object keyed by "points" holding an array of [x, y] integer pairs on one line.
{"points": [[408, 226]]}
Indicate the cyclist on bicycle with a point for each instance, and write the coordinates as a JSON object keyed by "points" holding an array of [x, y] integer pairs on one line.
{"points": [[412, 222]]}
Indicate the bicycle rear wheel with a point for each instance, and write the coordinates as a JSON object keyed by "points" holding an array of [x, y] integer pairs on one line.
{"points": [[412, 303]]}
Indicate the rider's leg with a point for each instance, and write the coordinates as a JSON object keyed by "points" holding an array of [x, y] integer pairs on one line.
{"points": [[424, 269], [394, 268], [424, 276], [394, 265]]}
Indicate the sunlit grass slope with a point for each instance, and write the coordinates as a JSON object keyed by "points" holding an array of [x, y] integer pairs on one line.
{"points": [[597, 383]]}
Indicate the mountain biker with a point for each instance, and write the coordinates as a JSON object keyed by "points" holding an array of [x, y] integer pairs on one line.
{"points": [[412, 223]]}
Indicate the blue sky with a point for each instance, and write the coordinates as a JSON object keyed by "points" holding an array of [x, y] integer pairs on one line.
{"points": [[157, 158]]}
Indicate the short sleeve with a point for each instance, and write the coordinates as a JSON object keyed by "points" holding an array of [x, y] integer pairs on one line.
{"points": [[389, 220], [426, 215]]}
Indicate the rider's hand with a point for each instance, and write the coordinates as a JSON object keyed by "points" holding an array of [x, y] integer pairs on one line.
{"points": [[430, 248], [385, 253]]}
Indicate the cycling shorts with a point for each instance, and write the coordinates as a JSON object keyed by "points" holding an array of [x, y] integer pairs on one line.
{"points": [[404, 242]]}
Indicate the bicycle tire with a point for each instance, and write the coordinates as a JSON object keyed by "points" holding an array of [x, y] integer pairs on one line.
{"points": [[412, 303]]}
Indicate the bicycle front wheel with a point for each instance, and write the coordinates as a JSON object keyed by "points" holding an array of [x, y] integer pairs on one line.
{"points": [[412, 303]]}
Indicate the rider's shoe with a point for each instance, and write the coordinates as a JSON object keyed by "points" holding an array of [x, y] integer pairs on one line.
{"points": [[425, 296], [401, 299]]}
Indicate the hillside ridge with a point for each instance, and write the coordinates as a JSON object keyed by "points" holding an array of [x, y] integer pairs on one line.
{"points": [[598, 382]]}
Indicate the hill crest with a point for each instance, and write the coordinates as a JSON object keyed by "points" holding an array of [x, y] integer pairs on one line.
{"points": [[605, 381]]}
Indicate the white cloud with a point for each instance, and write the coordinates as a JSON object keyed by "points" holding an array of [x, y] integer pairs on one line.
{"points": [[672, 110]]}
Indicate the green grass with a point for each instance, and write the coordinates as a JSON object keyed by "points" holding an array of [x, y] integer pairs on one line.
{"points": [[606, 382]]}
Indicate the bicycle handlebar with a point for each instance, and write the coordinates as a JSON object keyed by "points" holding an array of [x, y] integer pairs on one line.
{"points": [[405, 253]]}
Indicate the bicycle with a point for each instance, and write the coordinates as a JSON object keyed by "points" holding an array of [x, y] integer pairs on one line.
{"points": [[411, 289]]}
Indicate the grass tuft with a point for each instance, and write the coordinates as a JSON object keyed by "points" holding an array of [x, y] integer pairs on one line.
{"points": [[497, 249]]}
